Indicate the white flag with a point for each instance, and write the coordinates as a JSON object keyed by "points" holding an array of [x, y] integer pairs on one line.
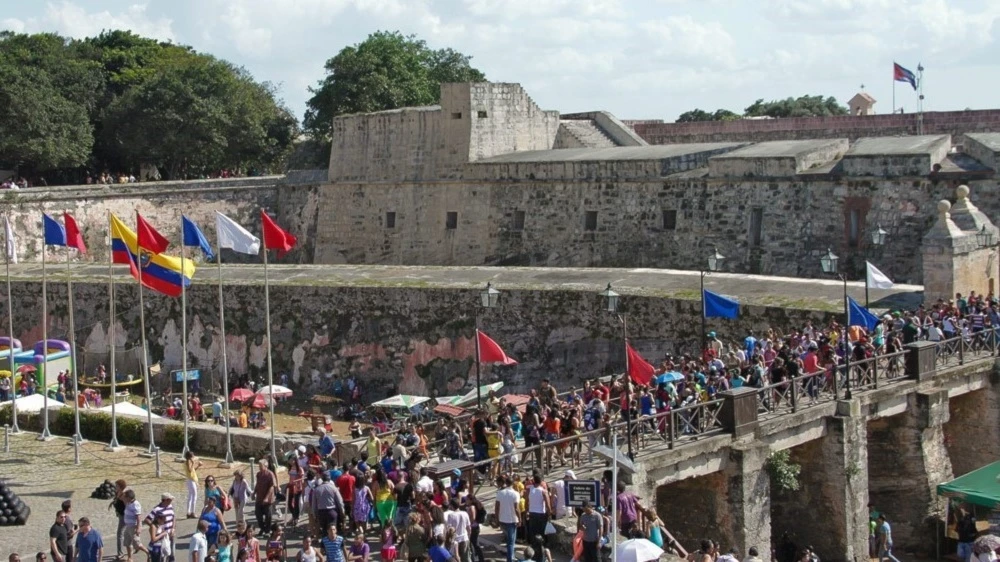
{"points": [[9, 240], [877, 279], [235, 237]]}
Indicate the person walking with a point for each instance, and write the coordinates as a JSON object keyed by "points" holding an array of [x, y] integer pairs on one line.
{"points": [[59, 538], [89, 545], [118, 504], [590, 523], [505, 509], [333, 545], [883, 537], [458, 520], [239, 491], [264, 492], [164, 509], [133, 515], [191, 466], [198, 548], [327, 503]]}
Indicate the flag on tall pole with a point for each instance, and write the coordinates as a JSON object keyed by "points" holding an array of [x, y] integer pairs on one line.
{"points": [[54, 234], [149, 239], [275, 238], [160, 272], [875, 278], [232, 236], [73, 240], [10, 256], [491, 352], [718, 306], [639, 370], [901, 74], [115, 227]]}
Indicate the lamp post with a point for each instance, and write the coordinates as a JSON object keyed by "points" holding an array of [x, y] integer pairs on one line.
{"points": [[488, 298], [878, 240], [829, 264], [611, 299], [714, 263]]}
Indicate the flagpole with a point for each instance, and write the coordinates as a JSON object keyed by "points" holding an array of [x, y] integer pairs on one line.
{"points": [[8, 252], [225, 366], [479, 363], [113, 446], [628, 418], [894, 93], [270, 370], [184, 347], [46, 435], [704, 316], [77, 438], [144, 363]]}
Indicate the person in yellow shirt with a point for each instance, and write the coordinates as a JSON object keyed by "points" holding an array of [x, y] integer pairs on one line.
{"points": [[373, 445], [244, 420]]}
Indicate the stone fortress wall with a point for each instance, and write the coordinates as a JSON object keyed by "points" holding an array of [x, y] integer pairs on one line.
{"points": [[489, 178]]}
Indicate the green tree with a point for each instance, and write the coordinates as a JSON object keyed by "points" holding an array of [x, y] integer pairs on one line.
{"points": [[702, 115], [804, 106], [197, 114], [42, 129], [385, 71]]}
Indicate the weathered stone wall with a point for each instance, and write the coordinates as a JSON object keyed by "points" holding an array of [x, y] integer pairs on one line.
{"points": [[800, 219], [849, 126], [972, 432], [409, 340], [293, 200]]}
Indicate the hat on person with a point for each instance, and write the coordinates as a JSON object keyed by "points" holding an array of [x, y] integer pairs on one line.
{"points": [[570, 475], [457, 472], [711, 334], [166, 496], [302, 448]]}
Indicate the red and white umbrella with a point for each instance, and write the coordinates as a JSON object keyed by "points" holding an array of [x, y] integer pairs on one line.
{"points": [[259, 401], [275, 390]]}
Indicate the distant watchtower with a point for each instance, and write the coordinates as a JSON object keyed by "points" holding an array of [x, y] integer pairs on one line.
{"points": [[862, 104]]}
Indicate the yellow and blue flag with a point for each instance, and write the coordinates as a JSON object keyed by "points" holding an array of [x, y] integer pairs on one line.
{"points": [[160, 272]]}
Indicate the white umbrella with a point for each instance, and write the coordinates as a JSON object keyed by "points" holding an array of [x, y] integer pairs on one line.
{"points": [[125, 409], [34, 403], [637, 550], [275, 390]]}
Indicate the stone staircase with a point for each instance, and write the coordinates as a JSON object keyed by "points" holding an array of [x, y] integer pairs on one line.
{"points": [[587, 133]]}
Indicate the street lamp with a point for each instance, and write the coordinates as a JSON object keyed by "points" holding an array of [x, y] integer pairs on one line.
{"points": [[488, 298], [878, 236], [829, 264], [714, 264], [984, 237], [611, 299]]}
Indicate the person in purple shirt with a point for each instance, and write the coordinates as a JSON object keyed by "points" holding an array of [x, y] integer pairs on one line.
{"points": [[359, 549], [628, 509]]}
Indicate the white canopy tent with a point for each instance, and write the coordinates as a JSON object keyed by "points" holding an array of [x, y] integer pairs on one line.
{"points": [[34, 403]]}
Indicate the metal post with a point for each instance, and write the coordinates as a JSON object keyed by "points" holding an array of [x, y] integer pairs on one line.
{"points": [[479, 386], [225, 366], [6, 433], [10, 253], [156, 453], [253, 475], [704, 335], [614, 494], [184, 349], [628, 417], [795, 393], [76, 448], [847, 340], [46, 435]]}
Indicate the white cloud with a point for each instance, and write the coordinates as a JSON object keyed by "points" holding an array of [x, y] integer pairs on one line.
{"points": [[69, 18], [12, 24]]}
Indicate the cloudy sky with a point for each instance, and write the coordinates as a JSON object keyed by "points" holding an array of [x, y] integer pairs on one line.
{"points": [[635, 58]]}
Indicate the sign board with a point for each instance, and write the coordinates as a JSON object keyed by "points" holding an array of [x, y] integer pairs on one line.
{"points": [[579, 491], [192, 375]]}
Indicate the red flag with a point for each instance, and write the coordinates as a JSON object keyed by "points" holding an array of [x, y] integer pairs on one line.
{"points": [[149, 238], [73, 237], [276, 238], [491, 352], [639, 370]]}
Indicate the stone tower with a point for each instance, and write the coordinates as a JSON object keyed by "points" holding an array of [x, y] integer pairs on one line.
{"points": [[955, 257]]}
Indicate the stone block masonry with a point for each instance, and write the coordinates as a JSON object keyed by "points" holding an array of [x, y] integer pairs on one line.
{"points": [[408, 330]]}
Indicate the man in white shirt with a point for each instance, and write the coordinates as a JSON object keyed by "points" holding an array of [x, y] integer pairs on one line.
{"points": [[505, 510], [199, 543], [424, 484], [539, 508], [133, 514], [458, 519]]}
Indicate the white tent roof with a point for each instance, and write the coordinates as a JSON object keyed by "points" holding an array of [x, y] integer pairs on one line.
{"points": [[34, 403], [127, 409], [401, 401]]}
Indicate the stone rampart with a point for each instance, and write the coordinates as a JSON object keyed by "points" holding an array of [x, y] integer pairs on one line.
{"points": [[847, 126], [409, 337]]}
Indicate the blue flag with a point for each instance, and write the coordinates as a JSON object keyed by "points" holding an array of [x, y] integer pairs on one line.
{"points": [[194, 237], [718, 306], [860, 316], [55, 234]]}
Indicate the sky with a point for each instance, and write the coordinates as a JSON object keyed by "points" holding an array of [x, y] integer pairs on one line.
{"points": [[639, 59]]}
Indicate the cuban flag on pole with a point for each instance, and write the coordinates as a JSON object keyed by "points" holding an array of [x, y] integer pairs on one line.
{"points": [[900, 74]]}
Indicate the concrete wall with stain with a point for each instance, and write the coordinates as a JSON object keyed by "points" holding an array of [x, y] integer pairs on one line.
{"points": [[409, 340]]}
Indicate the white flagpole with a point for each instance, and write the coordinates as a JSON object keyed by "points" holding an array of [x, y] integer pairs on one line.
{"points": [[184, 347], [46, 435], [270, 370], [8, 245], [113, 446], [77, 438], [225, 366], [144, 363]]}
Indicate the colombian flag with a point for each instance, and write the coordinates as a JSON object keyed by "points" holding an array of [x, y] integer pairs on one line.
{"points": [[160, 272]]}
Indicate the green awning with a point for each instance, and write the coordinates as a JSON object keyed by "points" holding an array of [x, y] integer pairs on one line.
{"points": [[980, 487]]}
